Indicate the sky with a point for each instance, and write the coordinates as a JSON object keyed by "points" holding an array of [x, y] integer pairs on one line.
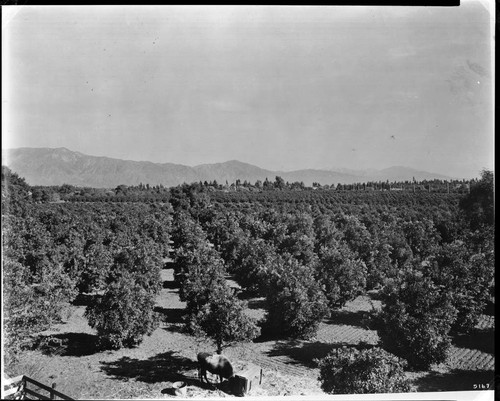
{"points": [[283, 88]]}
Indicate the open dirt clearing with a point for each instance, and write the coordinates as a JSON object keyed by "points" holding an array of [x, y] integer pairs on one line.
{"points": [[169, 355]]}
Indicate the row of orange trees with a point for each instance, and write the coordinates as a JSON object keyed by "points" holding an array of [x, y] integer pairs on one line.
{"points": [[213, 309]]}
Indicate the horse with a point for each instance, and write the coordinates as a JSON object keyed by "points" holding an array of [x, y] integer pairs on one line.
{"points": [[216, 364]]}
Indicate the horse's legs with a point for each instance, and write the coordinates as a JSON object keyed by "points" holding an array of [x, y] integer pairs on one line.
{"points": [[202, 373]]}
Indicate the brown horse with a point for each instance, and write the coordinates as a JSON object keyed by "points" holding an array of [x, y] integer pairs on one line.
{"points": [[216, 364]]}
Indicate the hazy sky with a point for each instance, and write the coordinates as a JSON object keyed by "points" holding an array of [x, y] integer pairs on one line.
{"points": [[280, 87]]}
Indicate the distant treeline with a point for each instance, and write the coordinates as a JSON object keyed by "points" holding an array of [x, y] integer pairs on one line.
{"points": [[160, 193]]}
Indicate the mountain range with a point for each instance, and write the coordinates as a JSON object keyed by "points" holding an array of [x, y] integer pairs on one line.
{"points": [[57, 166]]}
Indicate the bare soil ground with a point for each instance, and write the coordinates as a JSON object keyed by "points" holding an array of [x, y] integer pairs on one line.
{"points": [[169, 355]]}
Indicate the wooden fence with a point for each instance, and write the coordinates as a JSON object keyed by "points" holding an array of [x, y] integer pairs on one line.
{"points": [[17, 389]]}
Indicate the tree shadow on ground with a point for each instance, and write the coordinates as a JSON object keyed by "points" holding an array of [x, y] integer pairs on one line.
{"points": [[456, 380], [246, 294], [68, 344], [256, 303], [173, 318], [170, 285], [159, 368], [171, 315], [482, 340], [375, 295], [489, 309], [305, 353], [176, 328], [83, 299], [358, 319]]}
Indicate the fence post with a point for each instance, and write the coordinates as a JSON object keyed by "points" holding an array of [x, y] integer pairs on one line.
{"points": [[52, 396], [21, 388]]}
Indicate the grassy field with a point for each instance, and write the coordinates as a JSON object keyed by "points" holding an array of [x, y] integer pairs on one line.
{"points": [[169, 355]]}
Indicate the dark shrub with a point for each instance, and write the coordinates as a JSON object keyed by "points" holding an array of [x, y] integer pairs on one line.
{"points": [[350, 371]]}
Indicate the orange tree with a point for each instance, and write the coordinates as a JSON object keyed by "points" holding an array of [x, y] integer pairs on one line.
{"points": [[416, 319], [295, 301], [123, 315]]}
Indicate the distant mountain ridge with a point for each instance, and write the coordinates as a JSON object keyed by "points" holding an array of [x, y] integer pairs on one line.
{"points": [[57, 166]]}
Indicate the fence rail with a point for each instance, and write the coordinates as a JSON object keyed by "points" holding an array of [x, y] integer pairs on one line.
{"points": [[19, 384]]}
